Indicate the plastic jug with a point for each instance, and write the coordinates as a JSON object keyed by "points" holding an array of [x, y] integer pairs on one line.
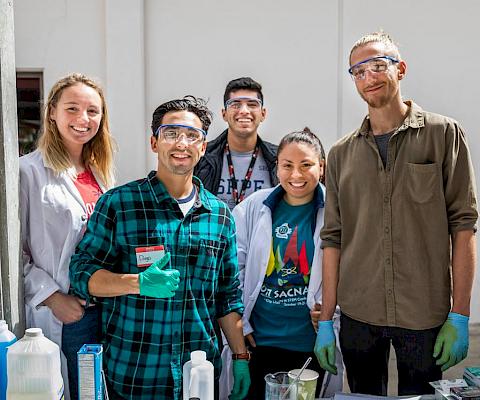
{"points": [[33, 366], [7, 338], [198, 377]]}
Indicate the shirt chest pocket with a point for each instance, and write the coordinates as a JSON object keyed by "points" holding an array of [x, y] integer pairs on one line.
{"points": [[137, 247], [423, 182], [204, 260]]}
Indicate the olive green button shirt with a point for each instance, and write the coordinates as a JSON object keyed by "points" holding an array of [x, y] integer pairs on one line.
{"points": [[392, 224]]}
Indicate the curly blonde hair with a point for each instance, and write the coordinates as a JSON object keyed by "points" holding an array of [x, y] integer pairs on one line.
{"points": [[97, 153]]}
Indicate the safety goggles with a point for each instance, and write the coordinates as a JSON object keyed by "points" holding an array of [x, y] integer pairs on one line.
{"points": [[236, 103], [376, 65], [172, 133]]}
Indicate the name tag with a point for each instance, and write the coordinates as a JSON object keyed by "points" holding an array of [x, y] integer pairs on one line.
{"points": [[146, 256]]}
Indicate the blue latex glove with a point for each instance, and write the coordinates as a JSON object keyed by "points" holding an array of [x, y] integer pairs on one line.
{"points": [[241, 380], [452, 341], [157, 282], [325, 346]]}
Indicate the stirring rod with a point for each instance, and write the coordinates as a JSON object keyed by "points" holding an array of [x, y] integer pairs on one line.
{"points": [[295, 380]]}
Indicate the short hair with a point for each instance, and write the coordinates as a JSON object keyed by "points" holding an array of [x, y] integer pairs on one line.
{"points": [[305, 136], [376, 37], [193, 104], [98, 152], [245, 83]]}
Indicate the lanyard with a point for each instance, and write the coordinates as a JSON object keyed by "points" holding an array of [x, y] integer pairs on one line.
{"points": [[236, 197]]}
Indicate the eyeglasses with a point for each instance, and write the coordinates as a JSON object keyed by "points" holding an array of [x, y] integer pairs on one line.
{"points": [[252, 103], [376, 64], [172, 133]]}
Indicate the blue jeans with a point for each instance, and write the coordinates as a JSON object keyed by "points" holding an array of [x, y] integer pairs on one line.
{"points": [[74, 336], [366, 350]]}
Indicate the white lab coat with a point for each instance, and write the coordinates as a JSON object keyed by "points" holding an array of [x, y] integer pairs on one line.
{"points": [[53, 220], [253, 221]]}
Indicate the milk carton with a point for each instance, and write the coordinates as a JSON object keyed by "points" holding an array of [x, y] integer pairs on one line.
{"points": [[90, 385]]}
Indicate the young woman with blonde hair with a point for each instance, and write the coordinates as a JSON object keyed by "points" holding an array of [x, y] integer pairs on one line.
{"points": [[60, 183]]}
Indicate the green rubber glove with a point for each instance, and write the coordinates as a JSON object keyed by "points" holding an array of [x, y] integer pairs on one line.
{"points": [[325, 346], [452, 341], [157, 282], [241, 380]]}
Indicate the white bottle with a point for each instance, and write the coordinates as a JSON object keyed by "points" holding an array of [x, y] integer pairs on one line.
{"points": [[198, 377], [7, 338], [33, 368]]}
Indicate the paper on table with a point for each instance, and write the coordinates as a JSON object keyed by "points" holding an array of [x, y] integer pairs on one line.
{"points": [[357, 396], [442, 387]]}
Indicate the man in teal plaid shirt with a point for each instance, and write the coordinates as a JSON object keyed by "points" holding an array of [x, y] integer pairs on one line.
{"points": [[159, 254]]}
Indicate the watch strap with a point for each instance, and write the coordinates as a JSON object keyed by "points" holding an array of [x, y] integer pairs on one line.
{"points": [[241, 356]]}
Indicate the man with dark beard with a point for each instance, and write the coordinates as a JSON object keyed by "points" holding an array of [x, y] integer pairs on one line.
{"points": [[399, 230]]}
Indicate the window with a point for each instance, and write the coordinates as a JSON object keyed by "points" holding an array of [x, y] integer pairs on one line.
{"points": [[29, 109]]}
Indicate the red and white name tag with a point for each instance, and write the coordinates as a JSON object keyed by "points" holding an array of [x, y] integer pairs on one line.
{"points": [[146, 256]]}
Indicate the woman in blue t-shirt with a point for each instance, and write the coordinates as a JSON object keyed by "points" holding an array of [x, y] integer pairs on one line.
{"points": [[279, 254]]}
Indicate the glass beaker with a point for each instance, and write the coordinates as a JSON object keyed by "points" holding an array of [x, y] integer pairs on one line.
{"points": [[276, 386]]}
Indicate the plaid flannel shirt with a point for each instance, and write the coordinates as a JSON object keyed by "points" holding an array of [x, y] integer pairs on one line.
{"points": [[147, 340]]}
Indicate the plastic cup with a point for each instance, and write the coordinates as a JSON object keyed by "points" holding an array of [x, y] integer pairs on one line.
{"points": [[277, 384], [307, 383]]}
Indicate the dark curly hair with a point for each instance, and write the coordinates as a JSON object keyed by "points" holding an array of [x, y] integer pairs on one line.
{"points": [[193, 104]]}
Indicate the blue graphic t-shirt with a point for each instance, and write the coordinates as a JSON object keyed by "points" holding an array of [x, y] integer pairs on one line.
{"points": [[281, 317]]}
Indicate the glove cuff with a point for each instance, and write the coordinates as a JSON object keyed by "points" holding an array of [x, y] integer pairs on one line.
{"points": [[240, 361], [325, 324], [140, 282], [454, 317]]}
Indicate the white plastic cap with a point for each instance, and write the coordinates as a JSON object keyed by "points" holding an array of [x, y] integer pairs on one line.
{"points": [[34, 332], [198, 356], [3, 325]]}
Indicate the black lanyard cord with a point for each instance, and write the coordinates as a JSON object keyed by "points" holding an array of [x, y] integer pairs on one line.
{"points": [[236, 197]]}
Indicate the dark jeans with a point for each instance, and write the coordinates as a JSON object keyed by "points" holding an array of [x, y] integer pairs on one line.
{"points": [[366, 349], [74, 336], [267, 360]]}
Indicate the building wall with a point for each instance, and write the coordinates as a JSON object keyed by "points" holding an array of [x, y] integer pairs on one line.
{"points": [[59, 37], [146, 52]]}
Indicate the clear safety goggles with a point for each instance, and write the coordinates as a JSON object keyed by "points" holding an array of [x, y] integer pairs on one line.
{"points": [[376, 65], [172, 133], [236, 103]]}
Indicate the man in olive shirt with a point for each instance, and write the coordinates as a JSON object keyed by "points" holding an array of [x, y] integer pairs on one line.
{"points": [[400, 191]]}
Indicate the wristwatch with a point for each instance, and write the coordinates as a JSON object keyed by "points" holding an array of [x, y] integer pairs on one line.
{"points": [[241, 356]]}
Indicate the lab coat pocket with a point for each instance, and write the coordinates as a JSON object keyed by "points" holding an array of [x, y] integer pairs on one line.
{"points": [[42, 317]]}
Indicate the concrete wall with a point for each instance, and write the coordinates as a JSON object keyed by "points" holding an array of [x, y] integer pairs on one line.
{"points": [[149, 51]]}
